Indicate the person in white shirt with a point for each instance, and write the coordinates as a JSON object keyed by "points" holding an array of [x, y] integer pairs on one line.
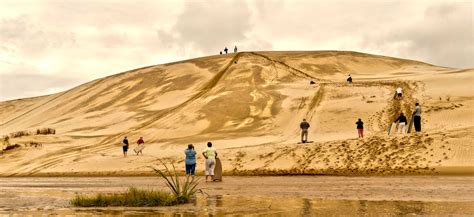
{"points": [[399, 92]]}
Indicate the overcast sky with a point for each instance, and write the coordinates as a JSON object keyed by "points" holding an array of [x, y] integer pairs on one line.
{"points": [[50, 46]]}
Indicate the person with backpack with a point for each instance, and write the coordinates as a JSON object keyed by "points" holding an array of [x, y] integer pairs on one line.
{"points": [[360, 128], [304, 131], [417, 117], [125, 146], [402, 123], [190, 160]]}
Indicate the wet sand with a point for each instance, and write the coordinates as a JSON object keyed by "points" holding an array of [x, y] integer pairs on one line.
{"points": [[295, 195]]}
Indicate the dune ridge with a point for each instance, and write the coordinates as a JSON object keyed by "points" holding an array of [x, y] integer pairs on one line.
{"points": [[250, 105]]}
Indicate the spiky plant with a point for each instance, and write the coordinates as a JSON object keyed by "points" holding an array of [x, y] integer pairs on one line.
{"points": [[183, 190]]}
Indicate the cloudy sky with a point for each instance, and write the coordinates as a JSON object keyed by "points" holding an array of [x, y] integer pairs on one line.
{"points": [[50, 46]]}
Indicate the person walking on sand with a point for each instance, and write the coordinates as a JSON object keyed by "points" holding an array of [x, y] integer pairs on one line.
{"points": [[402, 123], [235, 49], [417, 117], [210, 154], [304, 131], [360, 128], [140, 146], [125, 146], [349, 78], [399, 92], [190, 160], [225, 50]]}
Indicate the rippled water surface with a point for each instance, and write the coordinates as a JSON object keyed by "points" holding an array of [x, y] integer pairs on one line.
{"points": [[244, 196]]}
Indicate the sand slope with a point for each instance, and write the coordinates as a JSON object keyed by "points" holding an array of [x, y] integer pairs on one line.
{"points": [[249, 105]]}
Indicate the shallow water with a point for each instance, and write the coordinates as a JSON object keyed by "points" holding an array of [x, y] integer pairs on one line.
{"points": [[244, 196]]}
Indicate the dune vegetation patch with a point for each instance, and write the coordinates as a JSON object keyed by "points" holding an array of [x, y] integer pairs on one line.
{"points": [[181, 191], [132, 197]]}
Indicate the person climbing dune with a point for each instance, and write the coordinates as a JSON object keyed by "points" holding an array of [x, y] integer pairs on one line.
{"points": [[360, 128], [304, 131], [402, 123], [399, 92]]}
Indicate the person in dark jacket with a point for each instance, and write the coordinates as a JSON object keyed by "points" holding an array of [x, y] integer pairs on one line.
{"points": [[304, 131], [417, 117], [402, 123], [349, 78], [225, 49], [360, 128], [125, 146]]}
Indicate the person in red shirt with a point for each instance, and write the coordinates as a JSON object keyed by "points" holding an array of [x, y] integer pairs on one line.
{"points": [[141, 145]]}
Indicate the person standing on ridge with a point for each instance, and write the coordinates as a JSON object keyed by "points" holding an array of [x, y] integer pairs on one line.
{"points": [[125, 146], [235, 49], [403, 122], [360, 128], [225, 50], [140, 147], [417, 117], [210, 154], [190, 160], [304, 131]]}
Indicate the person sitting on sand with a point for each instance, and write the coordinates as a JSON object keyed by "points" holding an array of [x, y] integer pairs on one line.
{"points": [[125, 146], [190, 160], [403, 122], [360, 128], [349, 78], [304, 131], [399, 92], [417, 117], [139, 143], [210, 154]]}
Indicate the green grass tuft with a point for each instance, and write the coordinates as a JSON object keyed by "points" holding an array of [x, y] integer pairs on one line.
{"points": [[132, 197]]}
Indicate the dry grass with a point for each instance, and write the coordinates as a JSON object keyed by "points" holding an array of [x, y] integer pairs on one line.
{"points": [[45, 131]]}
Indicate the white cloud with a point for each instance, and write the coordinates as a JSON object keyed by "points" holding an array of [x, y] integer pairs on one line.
{"points": [[63, 43]]}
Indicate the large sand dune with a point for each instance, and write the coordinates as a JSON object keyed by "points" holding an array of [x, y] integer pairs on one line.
{"points": [[249, 105]]}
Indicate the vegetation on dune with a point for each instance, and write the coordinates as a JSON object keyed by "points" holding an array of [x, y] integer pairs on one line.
{"points": [[45, 131], [182, 190]]}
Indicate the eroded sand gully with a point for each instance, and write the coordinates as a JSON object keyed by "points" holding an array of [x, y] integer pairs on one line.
{"points": [[250, 105]]}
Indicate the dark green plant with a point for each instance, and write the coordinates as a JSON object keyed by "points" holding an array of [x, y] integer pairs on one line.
{"points": [[183, 189]]}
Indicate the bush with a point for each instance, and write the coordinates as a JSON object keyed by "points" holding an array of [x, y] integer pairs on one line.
{"points": [[45, 131], [20, 134], [132, 197]]}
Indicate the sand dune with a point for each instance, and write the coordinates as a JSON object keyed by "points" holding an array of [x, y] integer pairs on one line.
{"points": [[249, 105]]}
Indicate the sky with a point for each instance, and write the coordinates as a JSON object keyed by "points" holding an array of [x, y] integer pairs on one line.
{"points": [[51, 46]]}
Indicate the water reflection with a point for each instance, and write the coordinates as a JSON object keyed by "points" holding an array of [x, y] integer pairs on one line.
{"points": [[219, 205]]}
